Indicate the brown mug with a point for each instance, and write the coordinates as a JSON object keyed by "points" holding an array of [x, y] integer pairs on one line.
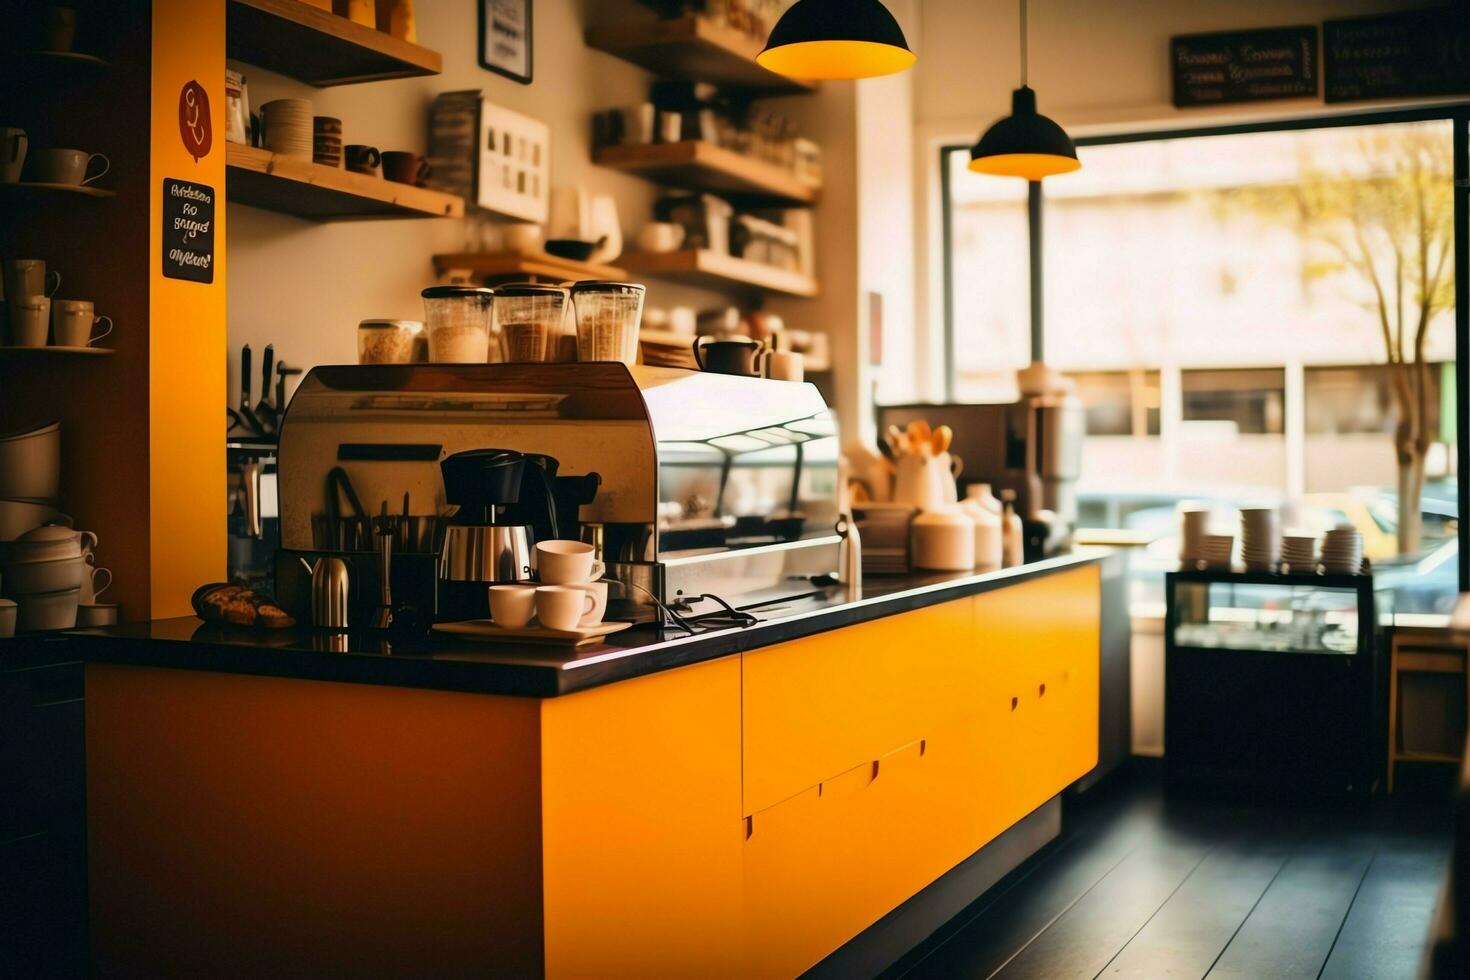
{"points": [[738, 357], [363, 159], [403, 167]]}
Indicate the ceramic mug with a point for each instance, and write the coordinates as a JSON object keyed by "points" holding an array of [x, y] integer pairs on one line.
{"points": [[90, 589], [561, 607], [64, 166], [30, 321], [785, 365], [512, 606], [567, 563], [598, 592], [523, 239], [362, 159], [75, 321], [403, 167], [738, 357], [28, 277], [13, 144], [661, 236]]}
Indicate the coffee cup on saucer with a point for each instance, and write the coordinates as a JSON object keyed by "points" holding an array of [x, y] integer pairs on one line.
{"points": [[75, 323], [66, 166], [598, 592], [512, 606], [567, 563], [563, 607]]}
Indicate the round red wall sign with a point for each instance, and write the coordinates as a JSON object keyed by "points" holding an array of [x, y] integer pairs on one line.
{"points": [[194, 120]]}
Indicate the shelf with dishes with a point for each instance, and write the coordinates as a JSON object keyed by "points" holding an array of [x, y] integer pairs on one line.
{"points": [[673, 348], [305, 42], [52, 187], [298, 186], [703, 166], [54, 63], [717, 270], [508, 266], [694, 48], [54, 350]]}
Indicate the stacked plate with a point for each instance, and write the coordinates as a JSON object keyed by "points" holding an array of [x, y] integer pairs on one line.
{"points": [[1215, 550], [1194, 523], [1299, 552], [286, 127], [1260, 538], [1342, 550]]}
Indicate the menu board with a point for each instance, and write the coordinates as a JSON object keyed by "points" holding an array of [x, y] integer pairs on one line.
{"points": [[1244, 66], [1424, 52], [188, 230]]}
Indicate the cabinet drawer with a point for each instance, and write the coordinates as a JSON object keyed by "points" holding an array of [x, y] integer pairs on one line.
{"points": [[817, 707]]}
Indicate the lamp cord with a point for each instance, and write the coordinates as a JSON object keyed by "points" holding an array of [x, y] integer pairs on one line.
{"points": [[1023, 43]]}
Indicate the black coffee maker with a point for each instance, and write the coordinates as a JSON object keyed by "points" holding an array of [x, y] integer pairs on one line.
{"points": [[505, 502]]}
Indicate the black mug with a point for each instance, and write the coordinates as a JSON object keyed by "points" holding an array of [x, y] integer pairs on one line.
{"points": [[363, 159], [739, 357]]}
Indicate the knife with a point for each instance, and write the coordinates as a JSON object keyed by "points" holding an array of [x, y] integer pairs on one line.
{"points": [[263, 407], [246, 415]]}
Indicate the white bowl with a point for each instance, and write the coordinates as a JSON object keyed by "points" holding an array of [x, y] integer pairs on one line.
{"points": [[19, 516], [30, 463], [97, 614], [27, 578], [7, 618], [49, 611]]}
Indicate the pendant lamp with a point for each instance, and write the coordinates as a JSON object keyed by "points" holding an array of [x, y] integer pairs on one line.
{"points": [[1025, 143], [836, 39]]}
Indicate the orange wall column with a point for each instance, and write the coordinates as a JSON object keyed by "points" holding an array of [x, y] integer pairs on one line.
{"points": [[187, 323]]}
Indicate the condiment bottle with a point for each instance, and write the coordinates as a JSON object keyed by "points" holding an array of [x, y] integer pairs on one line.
{"points": [[989, 543], [1012, 533]]}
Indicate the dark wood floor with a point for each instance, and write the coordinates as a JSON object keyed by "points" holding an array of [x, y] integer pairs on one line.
{"points": [[1140, 886]]}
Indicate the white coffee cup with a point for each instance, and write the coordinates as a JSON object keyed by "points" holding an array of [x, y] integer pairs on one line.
{"points": [[74, 323], [97, 614], [7, 618], [91, 591], [561, 607], [567, 563], [785, 365], [13, 144], [30, 321], [512, 606], [661, 236], [598, 592], [523, 239], [64, 166]]}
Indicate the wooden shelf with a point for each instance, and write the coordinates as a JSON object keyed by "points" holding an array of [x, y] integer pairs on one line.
{"points": [[37, 187], [57, 61], [713, 270], [291, 185], [666, 348], [513, 265], [54, 351], [695, 49], [700, 166], [307, 43]]}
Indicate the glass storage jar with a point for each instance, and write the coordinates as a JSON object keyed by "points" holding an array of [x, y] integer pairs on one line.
{"points": [[529, 318], [608, 317], [460, 323], [387, 341]]}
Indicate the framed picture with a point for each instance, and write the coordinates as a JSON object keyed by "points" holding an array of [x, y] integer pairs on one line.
{"points": [[505, 38]]}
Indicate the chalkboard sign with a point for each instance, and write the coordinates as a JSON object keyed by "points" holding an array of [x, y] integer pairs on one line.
{"points": [[1425, 52], [1247, 66], [188, 230]]}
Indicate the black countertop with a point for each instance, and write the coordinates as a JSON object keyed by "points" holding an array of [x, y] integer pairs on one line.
{"points": [[443, 663]]}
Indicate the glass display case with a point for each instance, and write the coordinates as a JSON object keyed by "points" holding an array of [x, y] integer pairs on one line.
{"points": [[1307, 614]]}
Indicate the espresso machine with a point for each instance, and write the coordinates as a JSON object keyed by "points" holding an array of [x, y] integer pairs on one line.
{"points": [[685, 483], [1032, 447]]}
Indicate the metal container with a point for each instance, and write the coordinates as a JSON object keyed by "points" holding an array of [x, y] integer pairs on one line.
{"points": [[330, 590], [486, 553]]}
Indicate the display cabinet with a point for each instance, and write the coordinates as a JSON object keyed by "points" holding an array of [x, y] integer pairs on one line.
{"points": [[1273, 686]]}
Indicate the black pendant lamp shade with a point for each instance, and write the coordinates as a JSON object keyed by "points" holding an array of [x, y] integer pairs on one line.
{"points": [[836, 39], [1024, 144]]}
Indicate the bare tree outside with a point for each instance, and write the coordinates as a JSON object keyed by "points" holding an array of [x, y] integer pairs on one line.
{"points": [[1381, 228]]}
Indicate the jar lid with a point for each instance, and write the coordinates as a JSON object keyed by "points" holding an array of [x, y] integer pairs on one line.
{"points": [[457, 292], [603, 286], [530, 289], [48, 533], [412, 326]]}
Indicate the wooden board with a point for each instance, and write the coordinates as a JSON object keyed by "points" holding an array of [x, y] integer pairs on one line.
{"points": [[269, 180], [318, 47], [716, 271], [486, 631], [694, 49], [701, 166], [513, 265]]}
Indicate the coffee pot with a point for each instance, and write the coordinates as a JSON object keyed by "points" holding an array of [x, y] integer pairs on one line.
{"points": [[488, 538]]}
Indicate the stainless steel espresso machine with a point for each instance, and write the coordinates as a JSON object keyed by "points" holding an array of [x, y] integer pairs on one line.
{"points": [[687, 483], [1032, 447]]}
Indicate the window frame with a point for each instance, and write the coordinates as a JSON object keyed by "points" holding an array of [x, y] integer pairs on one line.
{"points": [[1458, 113]]}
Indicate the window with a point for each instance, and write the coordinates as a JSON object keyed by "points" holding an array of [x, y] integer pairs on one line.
{"points": [[1214, 295]]}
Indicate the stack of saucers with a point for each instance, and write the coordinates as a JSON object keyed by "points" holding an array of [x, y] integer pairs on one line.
{"points": [[1342, 550], [1215, 550], [287, 127], [1194, 523], [1260, 538], [1299, 552]]}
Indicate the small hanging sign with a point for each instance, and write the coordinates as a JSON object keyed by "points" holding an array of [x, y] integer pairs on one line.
{"points": [[188, 231], [194, 125], [1245, 66]]}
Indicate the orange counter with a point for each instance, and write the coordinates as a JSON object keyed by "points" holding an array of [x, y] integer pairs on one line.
{"points": [[744, 816]]}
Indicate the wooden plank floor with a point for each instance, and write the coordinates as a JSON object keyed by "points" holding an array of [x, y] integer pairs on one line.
{"points": [[1143, 887]]}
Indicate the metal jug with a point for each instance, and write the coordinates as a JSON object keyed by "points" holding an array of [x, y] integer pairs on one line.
{"points": [[329, 592]]}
